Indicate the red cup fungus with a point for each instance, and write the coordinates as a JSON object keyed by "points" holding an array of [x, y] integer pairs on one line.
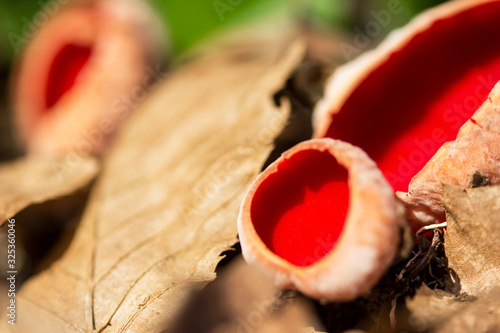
{"points": [[70, 82], [417, 90], [321, 219]]}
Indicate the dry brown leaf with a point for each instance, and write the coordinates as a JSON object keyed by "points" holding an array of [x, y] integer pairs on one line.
{"points": [[441, 312], [32, 180], [472, 238], [471, 302], [481, 316], [430, 307], [243, 299], [289, 320], [238, 297], [166, 204], [310, 330]]}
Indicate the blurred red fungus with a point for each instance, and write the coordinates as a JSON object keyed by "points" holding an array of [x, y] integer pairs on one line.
{"points": [[64, 71], [76, 79]]}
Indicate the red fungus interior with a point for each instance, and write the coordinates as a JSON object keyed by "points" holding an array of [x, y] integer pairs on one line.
{"points": [[67, 64], [299, 211], [418, 99]]}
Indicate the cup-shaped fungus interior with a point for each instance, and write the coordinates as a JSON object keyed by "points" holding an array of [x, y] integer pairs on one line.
{"points": [[66, 66], [404, 111], [299, 210]]}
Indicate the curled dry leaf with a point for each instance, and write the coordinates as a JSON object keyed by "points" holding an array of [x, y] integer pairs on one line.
{"points": [[440, 312], [226, 304], [476, 150], [242, 299], [310, 330], [429, 308], [481, 316], [471, 299], [287, 320], [166, 204], [32, 180], [419, 89], [472, 238]]}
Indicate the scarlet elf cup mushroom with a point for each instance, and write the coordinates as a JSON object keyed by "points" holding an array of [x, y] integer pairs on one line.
{"points": [[322, 219], [410, 104], [70, 79], [420, 88]]}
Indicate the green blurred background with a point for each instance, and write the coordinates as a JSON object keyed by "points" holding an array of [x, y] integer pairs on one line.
{"points": [[190, 21]]}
